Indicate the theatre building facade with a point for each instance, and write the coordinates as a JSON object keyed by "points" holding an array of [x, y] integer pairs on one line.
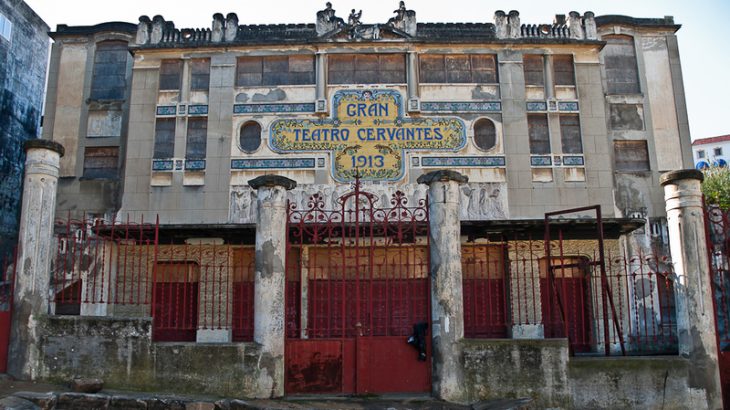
{"points": [[469, 210]]}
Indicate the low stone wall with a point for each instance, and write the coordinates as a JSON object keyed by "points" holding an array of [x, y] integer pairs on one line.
{"points": [[542, 370], [659, 382], [508, 368], [120, 352]]}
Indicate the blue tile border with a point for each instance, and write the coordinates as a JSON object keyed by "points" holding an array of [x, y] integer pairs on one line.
{"points": [[536, 106], [491, 161], [273, 163], [272, 108], [573, 160], [163, 165], [567, 105], [470, 106], [541, 161], [194, 164], [197, 110], [166, 110]]}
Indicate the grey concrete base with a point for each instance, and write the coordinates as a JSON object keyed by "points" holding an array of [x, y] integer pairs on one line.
{"points": [[213, 336], [528, 332]]}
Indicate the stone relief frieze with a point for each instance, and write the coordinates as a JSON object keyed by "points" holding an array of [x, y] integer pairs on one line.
{"points": [[479, 201]]}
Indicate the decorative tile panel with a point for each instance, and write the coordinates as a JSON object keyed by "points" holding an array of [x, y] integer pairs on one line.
{"points": [[166, 110], [163, 165], [198, 110], [573, 160], [448, 106], [194, 164], [320, 163], [272, 108], [567, 105], [497, 161], [273, 163], [541, 161], [536, 106]]}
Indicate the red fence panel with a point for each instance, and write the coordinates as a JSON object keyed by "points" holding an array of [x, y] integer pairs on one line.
{"points": [[8, 265]]}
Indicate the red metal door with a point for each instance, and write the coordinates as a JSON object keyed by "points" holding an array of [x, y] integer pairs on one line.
{"points": [[357, 283]]}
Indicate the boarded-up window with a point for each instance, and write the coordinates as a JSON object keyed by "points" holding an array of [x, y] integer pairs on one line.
{"points": [[631, 156], [110, 70], [366, 68], [563, 70], [537, 128], [619, 57], [101, 162], [626, 116], [570, 134], [164, 138], [275, 70], [250, 136], [196, 139], [458, 68], [534, 70], [199, 74], [485, 135], [170, 74]]}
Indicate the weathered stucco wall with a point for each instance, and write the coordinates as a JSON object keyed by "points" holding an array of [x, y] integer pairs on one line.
{"points": [[630, 383], [503, 368], [543, 371], [120, 351]]}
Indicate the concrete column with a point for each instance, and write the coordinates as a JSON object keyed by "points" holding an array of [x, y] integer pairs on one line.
{"points": [[447, 305], [412, 75], [695, 312], [321, 89], [269, 287], [32, 282], [549, 82]]}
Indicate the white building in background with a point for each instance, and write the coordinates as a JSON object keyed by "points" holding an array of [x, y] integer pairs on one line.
{"points": [[711, 151]]}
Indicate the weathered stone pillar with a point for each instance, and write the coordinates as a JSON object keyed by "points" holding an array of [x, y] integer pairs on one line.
{"points": [[32, 281], [695, 312], [269, 288], [447, 305]]}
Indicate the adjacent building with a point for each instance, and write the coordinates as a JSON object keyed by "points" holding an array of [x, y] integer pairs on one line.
{"points": [[711, 151], [24, 45]]}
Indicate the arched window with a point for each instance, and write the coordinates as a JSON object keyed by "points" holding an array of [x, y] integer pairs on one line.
{"points": [[250, 139], [485, 135]]}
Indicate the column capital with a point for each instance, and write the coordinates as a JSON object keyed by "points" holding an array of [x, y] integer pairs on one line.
{"points": [[442, 175], [270, 180], [673, 176], [46, 144]]}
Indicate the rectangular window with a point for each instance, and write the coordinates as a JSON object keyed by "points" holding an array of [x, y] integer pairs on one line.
{"points": [[199, 74], [631, 156], [537, 129], [718, 151], [563, 73], [110, 69], [170, 75], [534, 70], [6, 27], [458, 68], [164, 138], [275, 70], [701, 154], [619, 58], [101, 162], [366, 69], [196, 139], [570, 134]]}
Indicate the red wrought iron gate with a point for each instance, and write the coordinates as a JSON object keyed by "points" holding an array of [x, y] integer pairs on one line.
{"points": [[718, 246], [357, 289]]}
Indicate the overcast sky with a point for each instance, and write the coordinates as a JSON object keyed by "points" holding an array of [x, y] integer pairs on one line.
{"points": [[703, 38]]}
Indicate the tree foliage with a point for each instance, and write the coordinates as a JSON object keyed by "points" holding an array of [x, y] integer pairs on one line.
{"points": [[716, 186]]}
